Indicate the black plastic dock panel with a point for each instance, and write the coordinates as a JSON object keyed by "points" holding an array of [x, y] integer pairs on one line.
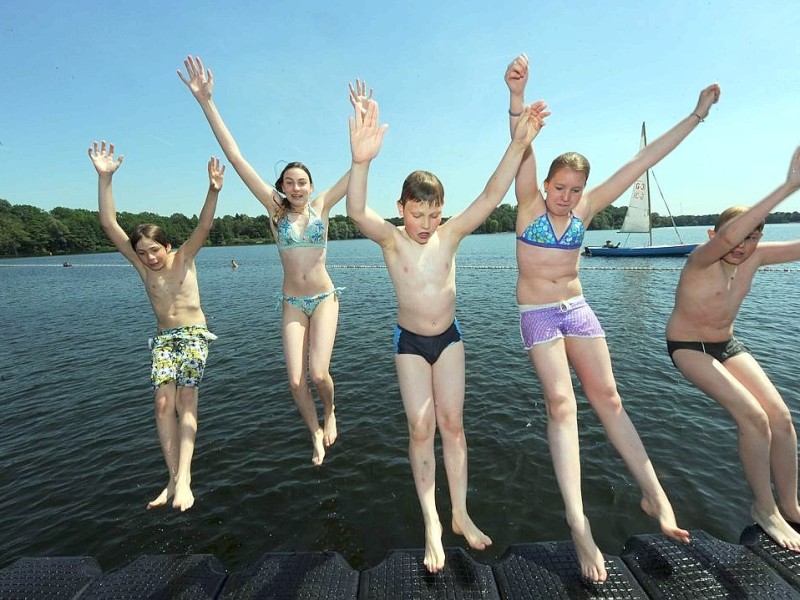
{"points": [[402, 576], [294, 575], [56, 577], [551, 570], [704, 568], [167, 577], [785, 562]]}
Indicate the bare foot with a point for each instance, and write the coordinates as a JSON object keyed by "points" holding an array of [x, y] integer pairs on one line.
{"points": [[184, 499], [474, 536], [778, 529], [434, 551], [662, 512], [590, 558], [330, 429], [162, 497], [319, 448]]}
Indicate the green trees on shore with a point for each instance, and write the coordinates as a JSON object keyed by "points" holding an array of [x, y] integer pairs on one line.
{"points": [[30, 231]]}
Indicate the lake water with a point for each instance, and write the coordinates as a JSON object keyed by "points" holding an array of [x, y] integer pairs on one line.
{"points": [[80, 455]]}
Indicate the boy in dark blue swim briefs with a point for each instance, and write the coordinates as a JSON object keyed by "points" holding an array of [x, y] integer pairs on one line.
{"points": [[420, 258]]}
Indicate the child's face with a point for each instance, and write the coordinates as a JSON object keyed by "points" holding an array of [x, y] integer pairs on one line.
{"points": [[297, 186], [744, 250], [420, 219], [152, 254], [563, 191]]}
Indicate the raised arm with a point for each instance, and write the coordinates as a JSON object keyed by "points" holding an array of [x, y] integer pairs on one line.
{"points": [[200, 82], [526, 187], [358, 98], [528, 125], [743, 227], [191, 247], [366, 137], [607, 192], [106, 165]]}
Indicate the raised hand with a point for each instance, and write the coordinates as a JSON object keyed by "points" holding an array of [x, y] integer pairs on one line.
{"points": [[366, 135], [531, 121], [793, 178], [358, 95], [103, 160], [200, 81], [216, 173], [516, 76], [708, 96]]}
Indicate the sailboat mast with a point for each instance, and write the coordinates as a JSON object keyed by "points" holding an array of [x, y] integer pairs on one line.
{"points": [[647, 187]]}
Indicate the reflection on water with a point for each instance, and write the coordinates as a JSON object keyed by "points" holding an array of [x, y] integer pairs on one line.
{"points": [[81, 456]]}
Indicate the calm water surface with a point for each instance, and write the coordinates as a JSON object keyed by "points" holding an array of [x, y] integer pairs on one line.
{"points": [[80, 455]]}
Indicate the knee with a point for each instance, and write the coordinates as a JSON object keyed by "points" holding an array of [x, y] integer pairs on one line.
{"points": [[757, 423], [451, 427], [186, 400], [163, 405], [319, 377], [297, 384], [561, 408], [782, 424], [606, 401], [421, 431]]}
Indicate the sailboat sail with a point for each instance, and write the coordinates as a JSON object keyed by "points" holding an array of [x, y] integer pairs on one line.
{"points": [[637, 219]]}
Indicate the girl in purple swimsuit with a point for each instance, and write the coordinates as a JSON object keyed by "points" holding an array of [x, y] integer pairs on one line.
{"points": [[558, 327]]}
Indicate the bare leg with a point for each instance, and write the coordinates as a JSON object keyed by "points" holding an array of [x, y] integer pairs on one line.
{"points": [[415, 378], [783, 448], [718, 382], [295, 349], [167, 427], [550, 361], [322, 333], [592, 364], [186, 405], [448, 386]]}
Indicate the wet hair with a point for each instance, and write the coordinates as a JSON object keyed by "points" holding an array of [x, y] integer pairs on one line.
{"points": [[730, 213], [422, 186], [283, 205], [570, 160], [151, 231]]}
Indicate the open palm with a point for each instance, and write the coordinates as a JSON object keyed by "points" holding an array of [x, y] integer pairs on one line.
{"points": [[366, 136]]}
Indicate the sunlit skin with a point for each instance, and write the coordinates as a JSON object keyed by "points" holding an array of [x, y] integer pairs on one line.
{"points": [[420, 259], [549, 275], [713, 284], [170, 280], [307, 341]]}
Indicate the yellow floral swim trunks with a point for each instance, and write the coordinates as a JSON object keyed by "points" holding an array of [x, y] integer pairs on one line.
{"points": [[179, 355]]}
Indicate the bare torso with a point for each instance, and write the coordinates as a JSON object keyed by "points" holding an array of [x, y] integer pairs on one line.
{"points": [[707, 301], [424, 281], [174, 293]]}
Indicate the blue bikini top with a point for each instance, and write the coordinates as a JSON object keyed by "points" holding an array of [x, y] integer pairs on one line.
{"points": [[314, 236], [540, 233]]}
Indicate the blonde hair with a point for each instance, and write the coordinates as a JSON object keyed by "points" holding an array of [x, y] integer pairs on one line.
{"points": [[730, 213], [570, 160]]}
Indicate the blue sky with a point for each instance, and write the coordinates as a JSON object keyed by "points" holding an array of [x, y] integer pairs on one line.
{"points": [[76, 72]]}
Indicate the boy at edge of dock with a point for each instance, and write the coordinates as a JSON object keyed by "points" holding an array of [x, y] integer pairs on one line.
{"points": [[180, 347], [714, 282], [429, 352]]}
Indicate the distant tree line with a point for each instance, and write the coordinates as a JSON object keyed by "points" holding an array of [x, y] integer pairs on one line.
{"points": [[30, 231]]}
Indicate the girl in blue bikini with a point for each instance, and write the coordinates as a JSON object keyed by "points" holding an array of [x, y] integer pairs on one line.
{"points": [[558, 327], [299, 225]]}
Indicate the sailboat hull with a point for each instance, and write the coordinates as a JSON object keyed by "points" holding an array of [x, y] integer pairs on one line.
{"points": [[664, 250]]}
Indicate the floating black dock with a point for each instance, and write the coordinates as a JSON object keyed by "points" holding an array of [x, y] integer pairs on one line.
{"points": [[651, 566]]}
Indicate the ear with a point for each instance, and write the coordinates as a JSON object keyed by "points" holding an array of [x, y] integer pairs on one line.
{"points": [[710, 233], [400, 208], [168, 247]]}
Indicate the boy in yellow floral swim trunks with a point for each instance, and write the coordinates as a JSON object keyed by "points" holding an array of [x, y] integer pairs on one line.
{"points": [[180, 348]]}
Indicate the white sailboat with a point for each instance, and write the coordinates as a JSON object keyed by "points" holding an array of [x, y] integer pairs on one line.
{"points": [[637, 220]]}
